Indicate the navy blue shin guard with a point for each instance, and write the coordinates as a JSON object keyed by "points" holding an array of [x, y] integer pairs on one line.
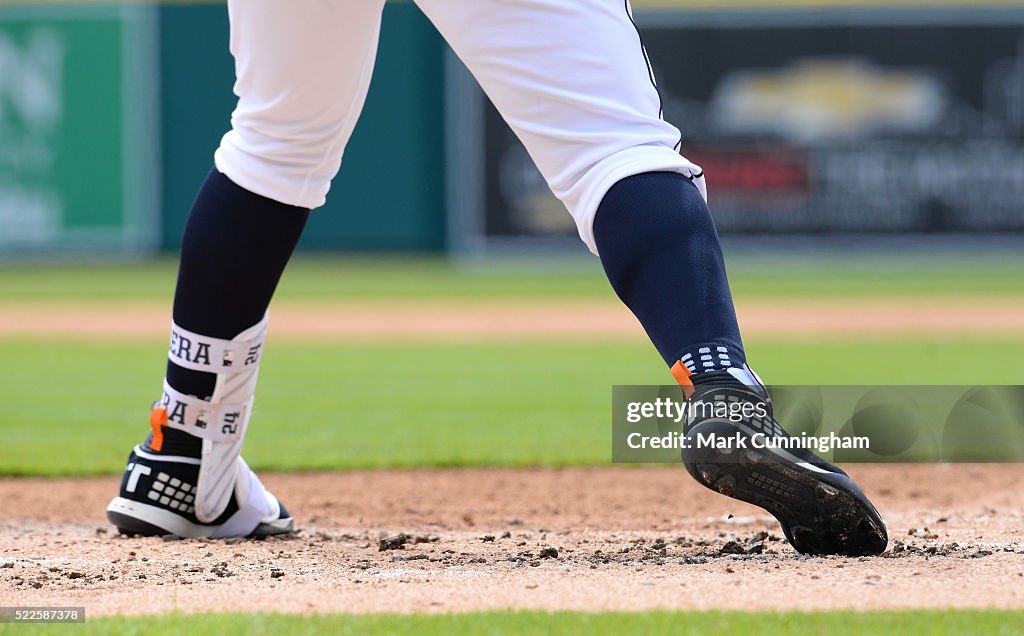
{"points": [[660, 250]]}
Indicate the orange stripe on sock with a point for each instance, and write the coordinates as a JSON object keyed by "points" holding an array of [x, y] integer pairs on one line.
{"points": [[682, 376], [157, 420]]}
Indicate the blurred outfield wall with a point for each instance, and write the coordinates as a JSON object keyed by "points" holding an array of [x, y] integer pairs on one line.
{"points": [[110, 112], [817, 122], [390, 193], [78, 169]]}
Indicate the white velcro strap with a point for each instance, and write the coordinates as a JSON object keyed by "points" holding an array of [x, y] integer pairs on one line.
{"points": [[218, 422], [213, 355]]}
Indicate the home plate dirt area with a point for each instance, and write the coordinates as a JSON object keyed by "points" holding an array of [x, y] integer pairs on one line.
{"points": [[458, 540]]}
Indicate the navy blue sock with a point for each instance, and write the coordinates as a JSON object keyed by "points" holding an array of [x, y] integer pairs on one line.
{"points": [[660, 250], [235, 248]]}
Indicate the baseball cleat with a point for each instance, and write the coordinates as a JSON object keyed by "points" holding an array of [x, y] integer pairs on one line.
{"points": [[821, 510], [158, 497]]}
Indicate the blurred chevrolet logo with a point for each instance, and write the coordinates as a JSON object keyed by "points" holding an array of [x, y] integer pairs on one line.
{"points": [[817, 99]]}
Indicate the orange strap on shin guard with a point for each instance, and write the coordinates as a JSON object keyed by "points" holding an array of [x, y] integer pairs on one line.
{"points": [[157, 420], [682, 376]]}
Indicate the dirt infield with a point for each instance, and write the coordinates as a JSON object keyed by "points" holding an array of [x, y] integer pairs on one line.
{"points": [[561, 320], [461, 540]]}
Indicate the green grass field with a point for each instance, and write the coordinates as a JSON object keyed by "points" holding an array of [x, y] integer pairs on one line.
{"points": [[373, 406], [326, 278], [338, 406], [905, 623]]}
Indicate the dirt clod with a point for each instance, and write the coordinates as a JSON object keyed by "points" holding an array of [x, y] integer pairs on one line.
{"points": [[731, 547], [396, 542]]}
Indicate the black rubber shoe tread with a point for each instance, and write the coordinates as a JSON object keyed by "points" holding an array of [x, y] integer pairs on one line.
{"points": [[820, 512], [133, 527]]}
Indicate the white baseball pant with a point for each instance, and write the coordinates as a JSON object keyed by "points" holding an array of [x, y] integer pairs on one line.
{"points": [[569, 76]]}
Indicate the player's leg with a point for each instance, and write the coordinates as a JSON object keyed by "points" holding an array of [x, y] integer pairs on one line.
{"points": [[303, 70], [573, 82]]}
